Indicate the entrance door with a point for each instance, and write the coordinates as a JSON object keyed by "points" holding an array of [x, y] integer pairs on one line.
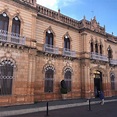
{"points": [[97, 83]]}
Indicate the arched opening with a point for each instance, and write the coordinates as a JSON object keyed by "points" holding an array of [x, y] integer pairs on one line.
{"points": [[49, 74], [112, 78], [66, 43], [91, 45], [97, 82], [4, 21], [109, 53], [101, 49], [16, 26], [49, 38], [6, 77], [67, 78], [96, 48]]}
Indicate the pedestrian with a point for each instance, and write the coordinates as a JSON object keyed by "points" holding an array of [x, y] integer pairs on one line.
{"points": [[101, 96]]}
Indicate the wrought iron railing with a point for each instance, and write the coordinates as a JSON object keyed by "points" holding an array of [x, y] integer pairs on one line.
{"points": [[51, 49], [100, 57], [69, 53], [11, 38]]}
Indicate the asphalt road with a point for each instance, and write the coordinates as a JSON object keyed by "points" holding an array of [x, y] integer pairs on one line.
{"points": [[107, 110]]}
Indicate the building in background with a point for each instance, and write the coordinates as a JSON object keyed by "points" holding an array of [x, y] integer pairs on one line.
{"points": [[40, 47]]}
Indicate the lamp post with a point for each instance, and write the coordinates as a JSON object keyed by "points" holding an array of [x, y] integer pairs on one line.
{"points": [[47, 104], [89, 101]]}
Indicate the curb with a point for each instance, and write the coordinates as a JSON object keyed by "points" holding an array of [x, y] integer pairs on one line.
{"points": [[32, 110]]}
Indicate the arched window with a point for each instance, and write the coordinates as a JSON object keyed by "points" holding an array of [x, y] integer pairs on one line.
{"points": [[112, 82], [100, 49], [66, 43], [67, 78], [16, 25], [91, 45], [6, 77], [49, 38], [4, 21], [96, 48], [49, 74], [109, 53]]}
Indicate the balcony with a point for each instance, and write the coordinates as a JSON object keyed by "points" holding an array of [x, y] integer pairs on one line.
{"points": [[14, 38], [50, 49], [113, 62], [69, 53], [100, 57]]}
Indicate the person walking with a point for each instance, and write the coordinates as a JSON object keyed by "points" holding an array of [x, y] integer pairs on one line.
{"points": [[101, 96]]}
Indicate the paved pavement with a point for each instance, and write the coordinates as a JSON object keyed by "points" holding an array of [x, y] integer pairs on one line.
{"points": [[53, 105], [109, 109]]}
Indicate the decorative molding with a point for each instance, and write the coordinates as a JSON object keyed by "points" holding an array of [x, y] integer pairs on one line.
{"points": [[8, 59], [67, 68], [47, 66], [99, 68], [51, 31]]}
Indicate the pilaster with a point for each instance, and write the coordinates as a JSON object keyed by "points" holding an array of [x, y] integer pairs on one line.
{"points": [[85, 79], [32, 70]]}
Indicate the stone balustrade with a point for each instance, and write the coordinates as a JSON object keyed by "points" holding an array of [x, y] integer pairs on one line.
{"points": [[113, 62], [69, 53], [50, 49], [100, 57], [14, 38]]}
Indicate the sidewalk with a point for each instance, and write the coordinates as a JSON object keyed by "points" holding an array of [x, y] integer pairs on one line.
{"points": [[41, 106]]}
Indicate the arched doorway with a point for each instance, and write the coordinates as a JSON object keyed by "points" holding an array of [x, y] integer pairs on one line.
{"points": [[97, 82]]}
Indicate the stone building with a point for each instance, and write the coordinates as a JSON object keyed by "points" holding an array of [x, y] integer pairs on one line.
{"points": [[40, 47]]}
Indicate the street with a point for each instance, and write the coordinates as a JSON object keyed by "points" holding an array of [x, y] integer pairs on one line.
{"points": [[109, 109]]}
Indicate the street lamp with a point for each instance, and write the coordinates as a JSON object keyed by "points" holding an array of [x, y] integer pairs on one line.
{"points": [[47, 106]]}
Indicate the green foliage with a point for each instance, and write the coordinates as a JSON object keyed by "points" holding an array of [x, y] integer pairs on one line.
{"points": [[63, 90]]}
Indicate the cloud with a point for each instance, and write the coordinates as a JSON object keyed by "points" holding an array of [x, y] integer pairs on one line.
{"points": [[52, 4], [56, 4], [67, 2]]}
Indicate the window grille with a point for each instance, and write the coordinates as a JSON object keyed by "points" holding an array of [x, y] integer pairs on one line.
{"points": [[49, 80], [112, 82], [67, 77], [6, 77]]}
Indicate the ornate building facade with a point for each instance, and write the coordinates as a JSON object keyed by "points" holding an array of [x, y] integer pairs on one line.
{"points": [[40, 47]]}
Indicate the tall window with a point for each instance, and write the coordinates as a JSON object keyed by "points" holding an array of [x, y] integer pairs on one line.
{"points": [[67, 78], [96, 48], [112, 82], [49, 38], [6, 77], [91, 46], [66, 43], [109, 53], [16, 25], [4, 21], [100, 49], [49, 74]]}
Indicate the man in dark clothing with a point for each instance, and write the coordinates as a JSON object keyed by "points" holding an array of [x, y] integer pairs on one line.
{"points": [[101, 96]]}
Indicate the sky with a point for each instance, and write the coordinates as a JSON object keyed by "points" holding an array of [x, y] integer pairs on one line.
{"points": [[105, 11]]}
